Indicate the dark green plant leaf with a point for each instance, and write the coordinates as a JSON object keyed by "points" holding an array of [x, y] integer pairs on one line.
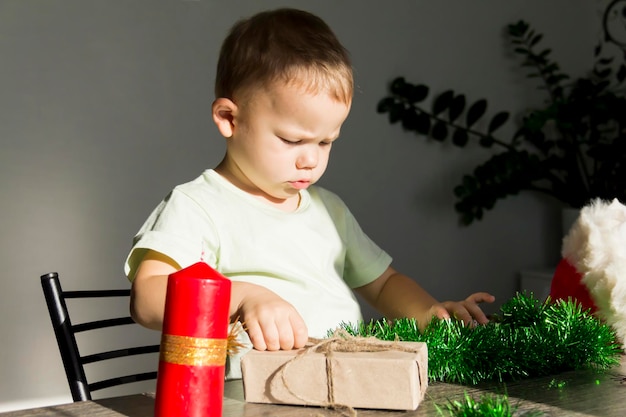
{"points": [[597, 50], [550, 68], [422, 124], [417, 93], [442, 102], [456, 107], [536, 39], [385, 104], [460, 192], [469, 184], [440, 131], [395, 113], [558, 91], [535, 121], [536, 60], [397, 85], [409, 119], [497, 121], [553, 79], [603, 73], [606, 61], [545, 53], [460, 137], [486, 142], [475, 112], [518, 29], [489, 199]]}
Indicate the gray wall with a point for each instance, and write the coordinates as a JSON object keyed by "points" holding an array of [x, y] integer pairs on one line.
{"points": [[105, 105]]}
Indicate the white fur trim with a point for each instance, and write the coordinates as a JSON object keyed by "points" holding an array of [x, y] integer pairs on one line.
{"points": [[596, 247]]}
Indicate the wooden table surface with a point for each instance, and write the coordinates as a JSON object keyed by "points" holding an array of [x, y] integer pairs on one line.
{"points": [[571, 394]]}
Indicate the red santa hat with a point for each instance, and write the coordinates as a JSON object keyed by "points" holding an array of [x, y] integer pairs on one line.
{"points": [[593, 268]]}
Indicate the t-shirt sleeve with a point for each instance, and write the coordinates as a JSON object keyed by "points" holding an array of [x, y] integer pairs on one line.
{"points": [[178, 228], [364, 260]]}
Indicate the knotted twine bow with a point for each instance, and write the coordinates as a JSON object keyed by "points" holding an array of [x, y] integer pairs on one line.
{"points": [[340, 341]]}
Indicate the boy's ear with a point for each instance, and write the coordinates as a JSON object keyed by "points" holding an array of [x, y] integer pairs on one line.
{"points": [[224, 112]]}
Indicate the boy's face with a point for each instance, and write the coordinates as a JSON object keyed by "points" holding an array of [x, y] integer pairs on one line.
{"points": [[281, 141]]}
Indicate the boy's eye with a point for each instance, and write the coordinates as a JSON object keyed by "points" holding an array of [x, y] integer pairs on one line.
{"points": [[290, 142], [297, 142]]}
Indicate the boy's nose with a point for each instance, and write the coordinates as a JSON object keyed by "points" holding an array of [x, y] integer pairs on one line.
{"points": [[308, 158]]}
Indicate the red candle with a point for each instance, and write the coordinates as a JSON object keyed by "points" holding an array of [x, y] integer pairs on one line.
{"points": [[192, 361]]}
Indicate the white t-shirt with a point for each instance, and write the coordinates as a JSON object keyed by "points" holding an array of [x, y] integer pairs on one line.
{"points": [[310, 257]]}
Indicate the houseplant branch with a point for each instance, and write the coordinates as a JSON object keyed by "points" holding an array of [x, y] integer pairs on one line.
{"points": [[573, 148]]}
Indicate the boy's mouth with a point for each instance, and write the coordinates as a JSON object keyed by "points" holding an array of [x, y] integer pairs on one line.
{"points": [[301, 184]]}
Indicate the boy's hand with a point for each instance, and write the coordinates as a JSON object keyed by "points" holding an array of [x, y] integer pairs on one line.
{"points": [[271, 322], [396, 295], [467, 310]]}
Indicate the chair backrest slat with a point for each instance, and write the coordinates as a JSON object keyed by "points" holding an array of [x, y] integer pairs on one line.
{"points": [[65, 334], [102, 324], [127, 379], [96, 293], [119, 353]]}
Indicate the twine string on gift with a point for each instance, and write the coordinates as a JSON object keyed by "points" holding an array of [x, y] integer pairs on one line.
{"points": [[341, 341]]}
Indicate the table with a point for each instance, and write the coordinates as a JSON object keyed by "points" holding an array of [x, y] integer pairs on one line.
{"points": [[571, 394]]}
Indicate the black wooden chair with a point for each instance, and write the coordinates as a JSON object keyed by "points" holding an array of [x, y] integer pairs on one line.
{"points": [[66, 332]]}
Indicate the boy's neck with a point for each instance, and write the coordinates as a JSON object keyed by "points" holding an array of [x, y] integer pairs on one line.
{"points": [[287, 205]]}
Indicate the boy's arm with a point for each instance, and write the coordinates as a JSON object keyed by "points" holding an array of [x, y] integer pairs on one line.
{"points": [[271, 322], [147, 294], [396, 296]]}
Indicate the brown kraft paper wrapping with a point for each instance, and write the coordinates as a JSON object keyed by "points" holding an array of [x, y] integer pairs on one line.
{"points": [[393, 377]]}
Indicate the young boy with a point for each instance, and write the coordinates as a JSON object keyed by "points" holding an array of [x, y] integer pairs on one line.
{"points": [[293, 250]]}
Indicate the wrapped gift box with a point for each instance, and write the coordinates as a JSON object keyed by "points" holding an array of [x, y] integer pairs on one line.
{"points": [[394, 379]]}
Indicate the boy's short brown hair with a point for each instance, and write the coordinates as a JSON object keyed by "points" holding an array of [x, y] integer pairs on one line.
{"points": [[287, 45]]}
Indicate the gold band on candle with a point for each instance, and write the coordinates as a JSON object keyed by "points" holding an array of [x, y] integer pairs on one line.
{"points": [[193, 351]]}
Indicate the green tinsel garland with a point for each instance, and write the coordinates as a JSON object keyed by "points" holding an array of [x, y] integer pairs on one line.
{"points": [[527, 338], [489, 405]]}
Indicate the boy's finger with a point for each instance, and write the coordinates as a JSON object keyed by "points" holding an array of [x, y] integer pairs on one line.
{"points": [[256, 335], [271, 336], [477, 314], [462, 315], [481, 297], [300, 331], [440, 312]]}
